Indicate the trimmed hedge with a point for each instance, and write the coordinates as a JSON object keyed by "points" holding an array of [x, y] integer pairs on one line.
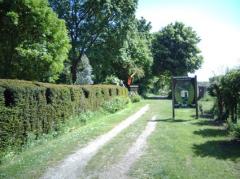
{"points": [[34, 107]]}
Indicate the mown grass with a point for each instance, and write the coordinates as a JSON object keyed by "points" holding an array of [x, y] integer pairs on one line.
{"points": [[35, 159], [182, 148], [188, 148]]}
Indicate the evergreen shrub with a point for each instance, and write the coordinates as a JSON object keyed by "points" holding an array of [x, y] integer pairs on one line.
{"points": [[40, 108]]}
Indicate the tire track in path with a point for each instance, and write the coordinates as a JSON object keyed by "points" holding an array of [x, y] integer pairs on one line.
{"points": [[72, 166], [121, 169]]}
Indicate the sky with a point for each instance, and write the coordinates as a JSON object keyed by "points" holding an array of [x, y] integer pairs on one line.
{"points": [[217, 23]]}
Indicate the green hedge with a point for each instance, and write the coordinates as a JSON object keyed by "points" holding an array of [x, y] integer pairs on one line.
{"points": [[34, 107]]}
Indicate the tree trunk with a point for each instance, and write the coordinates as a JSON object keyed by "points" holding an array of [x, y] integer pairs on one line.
{"points": [[220, 107], [233, 115], [74, 67], [236, 114], [74, 72]]}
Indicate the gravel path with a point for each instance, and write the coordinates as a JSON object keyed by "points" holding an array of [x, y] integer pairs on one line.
{"points": [[121, 169], [72, 166]]}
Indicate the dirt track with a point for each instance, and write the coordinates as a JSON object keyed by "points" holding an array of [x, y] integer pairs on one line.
{"points": [[121, 169], [72, 166]]}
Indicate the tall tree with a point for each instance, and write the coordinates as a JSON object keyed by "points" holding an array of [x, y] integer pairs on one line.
{"points": [[175, 50], [92, 22], [33, 43], [131, 56]]}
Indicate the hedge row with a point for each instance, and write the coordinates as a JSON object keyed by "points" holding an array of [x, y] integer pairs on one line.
{"points": [[34, 107]]}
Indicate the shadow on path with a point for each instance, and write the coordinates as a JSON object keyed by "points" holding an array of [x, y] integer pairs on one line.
{"points": [[223, 149]]}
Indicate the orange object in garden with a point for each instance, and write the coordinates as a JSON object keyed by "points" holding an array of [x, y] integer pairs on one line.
{"points": [[129, 82], [130, 79]]}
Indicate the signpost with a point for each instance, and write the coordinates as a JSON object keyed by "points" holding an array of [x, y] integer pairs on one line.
{"points": [[184, 93]]}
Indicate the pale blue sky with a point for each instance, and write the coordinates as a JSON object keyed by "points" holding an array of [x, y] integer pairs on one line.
{"points": [[217, 22]]}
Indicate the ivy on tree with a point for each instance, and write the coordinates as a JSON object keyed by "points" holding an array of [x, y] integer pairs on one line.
{"points": [[33, 43]]}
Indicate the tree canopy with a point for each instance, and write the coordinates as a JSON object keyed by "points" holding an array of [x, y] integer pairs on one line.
{"points": [[132, 56], [33, 43], [94, 23], [175, 50]]}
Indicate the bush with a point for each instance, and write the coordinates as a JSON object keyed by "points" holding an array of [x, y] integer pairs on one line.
{"points": [[135, 98], [234, 129], [207, 106], [40, 108], [115, 104], [207, 97], [112, 80]]}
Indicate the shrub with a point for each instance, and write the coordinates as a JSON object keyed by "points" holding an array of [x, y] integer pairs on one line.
{"points": [[40, 108], [112, 80], [234, 129], [135, 98], [207, 106], [115, 104]]}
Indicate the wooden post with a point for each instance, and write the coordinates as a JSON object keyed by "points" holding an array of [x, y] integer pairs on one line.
{"points": [[173, 98], [196, 97]]}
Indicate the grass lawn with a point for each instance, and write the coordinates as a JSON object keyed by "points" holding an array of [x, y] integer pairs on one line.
{"points": [[33, 161], [182, 148], [188, 148]]}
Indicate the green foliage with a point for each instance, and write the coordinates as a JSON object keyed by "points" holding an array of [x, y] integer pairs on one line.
{"points": [[230, 84], [126, 55], [112, 80], [135, 98], [136, 56], [84, 74], [226, 89], [92, 27], [160, 85], [207, 97], [39, 108], [233, 129], [207, 106], [34, 43], [175, 50], [236, 131], [115, 104]]}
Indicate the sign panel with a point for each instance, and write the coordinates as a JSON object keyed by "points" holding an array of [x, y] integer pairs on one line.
{"points": [[184, 93]]}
